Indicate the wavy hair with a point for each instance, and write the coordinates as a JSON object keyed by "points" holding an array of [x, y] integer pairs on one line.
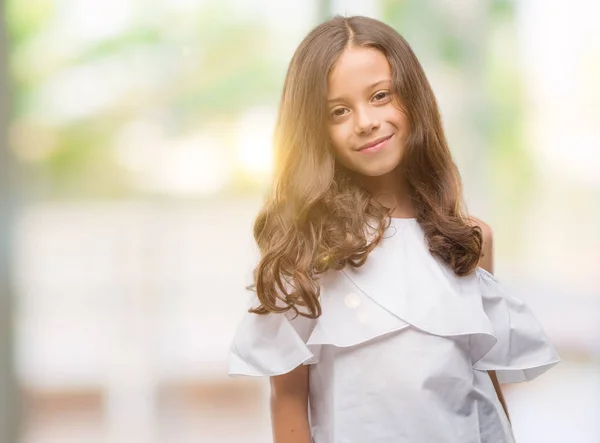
{"points": [[315, 216]]}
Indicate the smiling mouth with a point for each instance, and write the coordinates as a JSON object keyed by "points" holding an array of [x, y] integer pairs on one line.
{"points": [[374, 144]]}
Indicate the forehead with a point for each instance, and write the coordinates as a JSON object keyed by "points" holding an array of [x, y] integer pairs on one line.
{"points": [[356, 69]]}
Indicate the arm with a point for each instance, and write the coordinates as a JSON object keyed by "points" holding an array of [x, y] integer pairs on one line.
{"points": [[487, 263], [289, 407], [499, 392]]}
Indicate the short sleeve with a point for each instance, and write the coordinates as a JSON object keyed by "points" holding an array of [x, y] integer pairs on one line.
{"points": [[523, 350], [272, 344]]}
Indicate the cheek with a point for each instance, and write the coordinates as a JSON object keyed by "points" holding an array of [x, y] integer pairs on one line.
{"points": [[398, 118], [338, 137]]}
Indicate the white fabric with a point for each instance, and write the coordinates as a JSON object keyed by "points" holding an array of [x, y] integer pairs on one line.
{"points": [[401, 350]]}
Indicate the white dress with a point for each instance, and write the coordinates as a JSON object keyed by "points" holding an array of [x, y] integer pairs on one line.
{"points": [[401, 350]]}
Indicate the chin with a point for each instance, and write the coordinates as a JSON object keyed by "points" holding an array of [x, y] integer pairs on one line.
{"points": [[377, 172], [380, 169]]}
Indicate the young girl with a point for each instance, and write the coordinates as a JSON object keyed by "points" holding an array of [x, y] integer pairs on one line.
{"points": [[376, 315]]}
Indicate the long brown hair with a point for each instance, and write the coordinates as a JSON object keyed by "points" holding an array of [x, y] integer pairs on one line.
{"points": [[315, 218]]}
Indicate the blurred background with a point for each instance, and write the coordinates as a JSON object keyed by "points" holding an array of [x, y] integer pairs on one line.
{"points": [[135, 152]]}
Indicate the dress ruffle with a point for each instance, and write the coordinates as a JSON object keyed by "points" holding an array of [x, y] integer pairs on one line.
{"points": [[523, 351], [273, 344], [400, 285]]}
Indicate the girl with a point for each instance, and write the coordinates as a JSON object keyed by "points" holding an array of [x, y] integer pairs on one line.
{"points": [[376, 314]]}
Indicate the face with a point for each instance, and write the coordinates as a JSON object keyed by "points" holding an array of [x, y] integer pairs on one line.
{"points": [[367, 128]]}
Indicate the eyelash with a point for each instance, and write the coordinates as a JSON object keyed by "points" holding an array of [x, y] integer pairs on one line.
{"points": [[333, 113], [382, 92]]}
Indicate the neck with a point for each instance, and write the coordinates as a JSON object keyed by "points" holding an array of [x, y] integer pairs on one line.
{"points": [[391, 190]]}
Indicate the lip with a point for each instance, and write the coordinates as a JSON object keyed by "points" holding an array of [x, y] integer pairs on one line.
{"points": [[375, 145]]}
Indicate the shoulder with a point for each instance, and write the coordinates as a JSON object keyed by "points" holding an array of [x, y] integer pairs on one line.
{"points": [[487, 251], [486, 230]]}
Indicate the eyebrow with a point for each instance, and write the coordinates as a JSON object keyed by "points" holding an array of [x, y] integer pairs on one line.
{"points": [[371, 86]]}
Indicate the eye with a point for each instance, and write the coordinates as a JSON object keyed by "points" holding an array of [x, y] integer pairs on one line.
{"points": [[381, 95], [338, 112]]}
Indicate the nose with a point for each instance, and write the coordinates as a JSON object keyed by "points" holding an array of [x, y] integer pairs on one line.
{"points": [[365, 122]]}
